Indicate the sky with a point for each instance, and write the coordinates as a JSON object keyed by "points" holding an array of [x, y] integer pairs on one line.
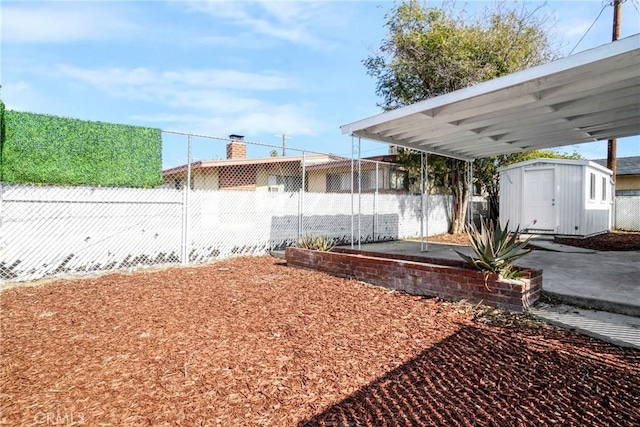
{"points": [[257, 68]]}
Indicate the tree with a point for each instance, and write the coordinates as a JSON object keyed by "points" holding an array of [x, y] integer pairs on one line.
{"points": [[431, 51]]}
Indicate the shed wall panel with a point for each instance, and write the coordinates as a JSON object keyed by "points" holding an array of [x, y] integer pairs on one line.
{"points": [[569, 183], [510, 198], [597, 210]]}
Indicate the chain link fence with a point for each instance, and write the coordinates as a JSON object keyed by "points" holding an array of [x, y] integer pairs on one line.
{"points": [[627, 213], [230, 198]]}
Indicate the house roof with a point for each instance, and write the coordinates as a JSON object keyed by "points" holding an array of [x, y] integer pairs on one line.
{"points": [[590, 96], [312, 162], [310, 159], [624, 165], [367, 162]]}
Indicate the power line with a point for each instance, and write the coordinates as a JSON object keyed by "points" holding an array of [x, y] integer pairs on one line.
{"points": [[592, 24]]}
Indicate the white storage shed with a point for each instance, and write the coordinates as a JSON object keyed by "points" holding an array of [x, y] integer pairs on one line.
{"points": [[556, 196]]}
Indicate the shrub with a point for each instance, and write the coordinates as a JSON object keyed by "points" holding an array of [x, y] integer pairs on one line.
{"points": [[316, 243], [496, 249]]}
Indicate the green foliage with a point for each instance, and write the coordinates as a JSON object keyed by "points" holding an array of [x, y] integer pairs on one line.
{"points": [[316, 243], [43, 149], [496, 249], [433, 51], [1, 134]]}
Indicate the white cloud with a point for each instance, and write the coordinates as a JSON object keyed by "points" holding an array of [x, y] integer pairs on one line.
{"points": [[573, 29], [202, 100], [117, 78], [63, 22], [263, 118], [18, 96], [306, 23]]}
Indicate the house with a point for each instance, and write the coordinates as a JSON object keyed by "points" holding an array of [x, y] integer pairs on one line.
{"points": [[556, 196], [237, 172], [379, 173], [627, 175], [322, 173]]}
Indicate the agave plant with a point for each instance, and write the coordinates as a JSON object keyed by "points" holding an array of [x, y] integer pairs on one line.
{"points": [[316, 243], [496, 249]]}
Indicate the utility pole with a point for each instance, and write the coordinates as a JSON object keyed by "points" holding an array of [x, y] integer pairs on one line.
{"points": [[284, 143], [612, 162]]}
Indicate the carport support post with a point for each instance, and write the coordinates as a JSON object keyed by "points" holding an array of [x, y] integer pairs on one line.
{"points": [[359, 195], [355, 147], [375, 206], [424, 206], [469, 184], [352, 184], [301, 199]]}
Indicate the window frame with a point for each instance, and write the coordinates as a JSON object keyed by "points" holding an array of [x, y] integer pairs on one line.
{"points": [[592, 186]]}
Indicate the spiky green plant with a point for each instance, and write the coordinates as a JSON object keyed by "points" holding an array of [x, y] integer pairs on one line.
{"points": [[316, 242], [496, 249]]}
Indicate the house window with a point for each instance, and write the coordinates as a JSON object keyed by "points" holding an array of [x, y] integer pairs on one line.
{"points": [[399, 180], [285, 183], [604, 189], [368, 181], [592, 187], [179, 183], [338, 182]]}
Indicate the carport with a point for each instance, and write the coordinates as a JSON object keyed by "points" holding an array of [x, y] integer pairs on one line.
{"points": [[590, 96]]}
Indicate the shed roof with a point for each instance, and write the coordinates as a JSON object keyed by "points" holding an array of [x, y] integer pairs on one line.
{"points": [[571, 162], [590, 96]]}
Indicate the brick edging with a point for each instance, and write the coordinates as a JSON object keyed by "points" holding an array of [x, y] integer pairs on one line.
{"points": [[419, 275]]}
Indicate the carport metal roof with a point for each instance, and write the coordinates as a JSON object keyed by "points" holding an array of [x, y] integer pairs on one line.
{"points": [[590, 96]]}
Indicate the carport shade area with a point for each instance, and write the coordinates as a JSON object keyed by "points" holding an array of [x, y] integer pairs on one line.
{"points": [[590, 96]]}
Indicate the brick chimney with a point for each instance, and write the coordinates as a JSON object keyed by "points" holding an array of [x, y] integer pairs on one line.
{"points": [[236, 149]]}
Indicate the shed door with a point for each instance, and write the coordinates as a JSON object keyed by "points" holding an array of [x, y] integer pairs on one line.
{"points": [[539, 203]]}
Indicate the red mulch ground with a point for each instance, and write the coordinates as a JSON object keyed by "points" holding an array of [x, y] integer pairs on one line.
{"points": [[613, 241], [252, 342]]}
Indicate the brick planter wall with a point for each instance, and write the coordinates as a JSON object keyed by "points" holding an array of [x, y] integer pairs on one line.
{"points": [[448, 279]]}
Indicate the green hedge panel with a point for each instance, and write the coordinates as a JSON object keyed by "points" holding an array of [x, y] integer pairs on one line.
{"points": [[43, 149], [1, 132]]}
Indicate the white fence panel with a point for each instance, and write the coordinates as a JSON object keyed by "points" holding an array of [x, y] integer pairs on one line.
{"points": [[403, 215], [329, 214], [52, 231], [627, 213]]}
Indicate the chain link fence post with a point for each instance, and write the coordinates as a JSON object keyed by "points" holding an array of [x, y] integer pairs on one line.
{"points": [[185, 209]]}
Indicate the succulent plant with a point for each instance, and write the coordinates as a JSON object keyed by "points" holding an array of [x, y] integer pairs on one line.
{"points": [[316, 243], [496, 249]]}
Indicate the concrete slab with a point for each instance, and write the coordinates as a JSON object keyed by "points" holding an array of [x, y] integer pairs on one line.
{"points": [[608, 281], [549, 245], [610, 327]]}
